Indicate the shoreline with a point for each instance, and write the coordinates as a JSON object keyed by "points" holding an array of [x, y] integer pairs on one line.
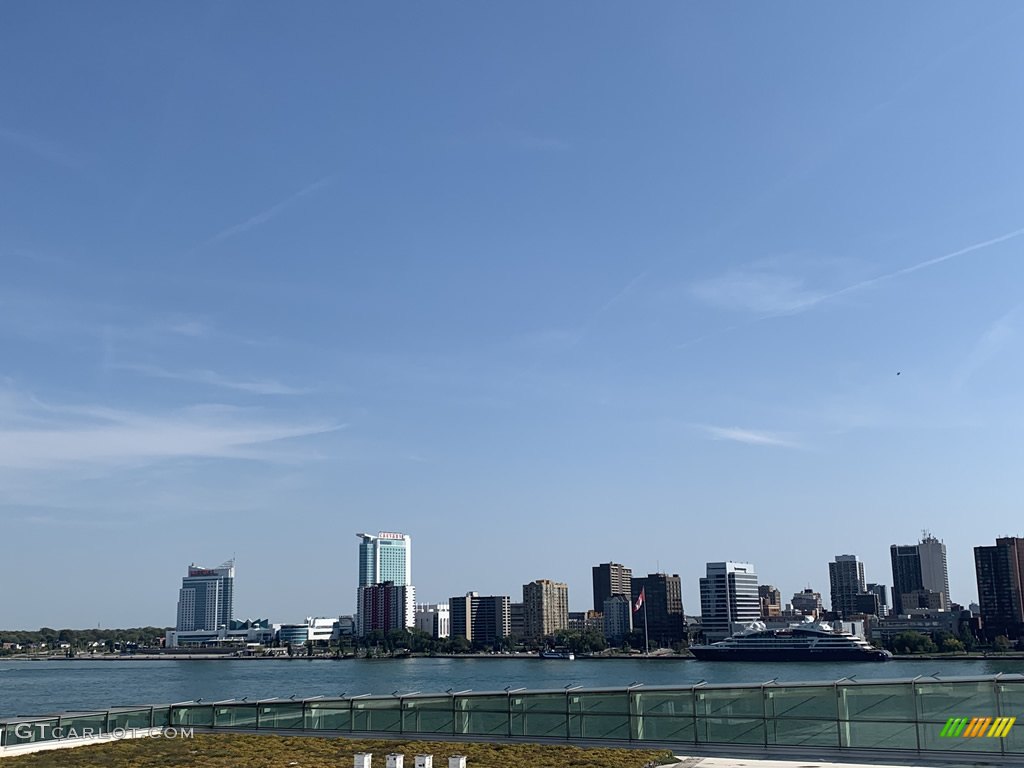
{"points": [[1012, 656]]}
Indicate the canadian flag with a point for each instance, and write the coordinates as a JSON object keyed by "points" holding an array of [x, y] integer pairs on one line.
{"points": [[639, 601]]}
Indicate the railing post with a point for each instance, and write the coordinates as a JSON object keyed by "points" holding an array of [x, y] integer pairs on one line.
{"points": [[764, 713], [839, 718], [917, 714], [999, 710], [568, 717]]}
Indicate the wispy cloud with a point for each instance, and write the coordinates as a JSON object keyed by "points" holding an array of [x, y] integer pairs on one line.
{"points": [[988, 346], [212, 378], [757, 291], [191, 328], [749, 436], [264, 216], [38, 435], [42, 148], [914, 268], [768, 294]]}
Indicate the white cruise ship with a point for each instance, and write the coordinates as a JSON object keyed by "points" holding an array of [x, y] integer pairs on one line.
{"points": [[799, 642]]}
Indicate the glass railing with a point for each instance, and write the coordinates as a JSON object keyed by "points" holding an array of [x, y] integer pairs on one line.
{"points": [[919, 715]]}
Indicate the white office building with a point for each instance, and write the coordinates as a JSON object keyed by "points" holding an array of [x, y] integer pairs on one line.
{"points": [[435, 619], [728, 595]]}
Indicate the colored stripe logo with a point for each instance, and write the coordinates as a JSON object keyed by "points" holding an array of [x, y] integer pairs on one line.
{"points": [[975, 727]]}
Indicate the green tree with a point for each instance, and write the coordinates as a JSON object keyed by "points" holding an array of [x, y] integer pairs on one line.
{"points": [[1002, 644], [949, 644], [966, 638], [913, 642]]}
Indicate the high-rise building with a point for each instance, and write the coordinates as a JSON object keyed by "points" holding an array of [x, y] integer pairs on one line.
{"points": [[883, 598], [807, 602], [517, 621], [866, 604], [434, 619], [1000, 573], [206, 601], [728, 595], [770, 599], [382, 607], [480, 619], [545, 608], [610, 579], [386, 557], [663, 599], [917, 567], [617, 616], [846, 579]]}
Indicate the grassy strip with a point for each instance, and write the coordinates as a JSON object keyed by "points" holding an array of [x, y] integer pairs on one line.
{"points": [[233, 750]]}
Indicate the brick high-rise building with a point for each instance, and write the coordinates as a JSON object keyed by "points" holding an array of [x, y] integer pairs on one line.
{"points": [[663, 597], [545, 608], [610, 579], [1000, 573]]}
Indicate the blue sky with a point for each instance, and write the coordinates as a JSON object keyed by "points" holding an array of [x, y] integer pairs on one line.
{"points": [[542, 285]]}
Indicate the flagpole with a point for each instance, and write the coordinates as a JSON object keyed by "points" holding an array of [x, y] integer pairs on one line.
{"points": [[647, 644]]}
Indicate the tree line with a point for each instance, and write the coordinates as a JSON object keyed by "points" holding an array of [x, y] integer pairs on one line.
{"points": [[80, 639]]}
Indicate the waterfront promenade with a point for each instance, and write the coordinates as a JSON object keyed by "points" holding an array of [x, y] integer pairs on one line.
{"points": [[879, 720]]}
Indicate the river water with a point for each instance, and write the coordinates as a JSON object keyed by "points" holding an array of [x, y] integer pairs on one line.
{"points": [[41, 687]]}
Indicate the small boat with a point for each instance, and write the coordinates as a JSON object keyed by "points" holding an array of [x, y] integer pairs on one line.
{"points": [[550, 654]]}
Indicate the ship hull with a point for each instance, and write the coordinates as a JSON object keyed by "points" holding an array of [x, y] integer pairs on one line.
{"points": [[706, 653]]}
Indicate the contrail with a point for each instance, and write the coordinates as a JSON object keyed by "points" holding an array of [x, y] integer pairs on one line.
{"points": [[908, 270], [813, 302], [267, 215]]}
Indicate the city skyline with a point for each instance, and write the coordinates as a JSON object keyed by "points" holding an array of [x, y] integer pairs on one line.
{"points": [[600, 288]]}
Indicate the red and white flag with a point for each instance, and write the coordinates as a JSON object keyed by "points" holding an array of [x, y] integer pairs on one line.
{"points": [[639, 601]]}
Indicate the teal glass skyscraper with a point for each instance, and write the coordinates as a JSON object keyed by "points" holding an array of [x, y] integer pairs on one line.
{"points": [[386, 557]]}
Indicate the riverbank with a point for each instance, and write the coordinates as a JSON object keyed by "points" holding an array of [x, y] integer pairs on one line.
{"points": [[666, 656], [221, 656]]}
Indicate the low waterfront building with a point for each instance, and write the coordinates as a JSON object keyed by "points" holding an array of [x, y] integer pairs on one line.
{"points": [[241, 633], [434, 619], [293, 635], [927, 622]]}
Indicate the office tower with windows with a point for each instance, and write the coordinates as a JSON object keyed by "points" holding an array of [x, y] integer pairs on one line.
{"points": [[386, 558], [1000, 573], [846, 579], [206, 599], [545, 608], [610, 579], [728, 595]]}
